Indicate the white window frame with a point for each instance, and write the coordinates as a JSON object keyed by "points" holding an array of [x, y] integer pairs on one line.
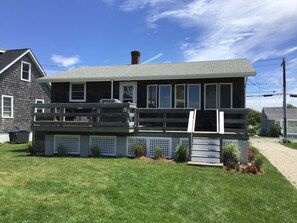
{"points": [[134, 84], [147, 94], [159, 101], [42, 102], [175, 94], [70, 93], [205, 96], [29, 75], [2, 105], [231, 93], [188, 96]]}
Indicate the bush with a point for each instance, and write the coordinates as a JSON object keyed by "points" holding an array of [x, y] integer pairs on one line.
{"points": [[61, 151], [159, 153], [139, 150], [95, 151], [259, 162], [275, 130], [181, 154], [231, 155]]}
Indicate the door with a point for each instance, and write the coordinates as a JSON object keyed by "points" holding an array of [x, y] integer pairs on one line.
{"points": [[128, 92]]}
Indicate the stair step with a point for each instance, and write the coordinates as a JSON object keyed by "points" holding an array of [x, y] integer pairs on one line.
{"points": [[200, 140], [210, 147], [205, 164], [205, 159], [205, 153]]}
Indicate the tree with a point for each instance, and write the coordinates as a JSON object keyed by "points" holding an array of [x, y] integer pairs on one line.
{"points": [[291, 106], [254, 117]]}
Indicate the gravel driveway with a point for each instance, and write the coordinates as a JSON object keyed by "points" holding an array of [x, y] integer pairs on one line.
{"points": [[283, 158]]}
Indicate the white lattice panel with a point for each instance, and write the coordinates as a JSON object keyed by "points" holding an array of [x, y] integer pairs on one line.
{"points": [[163, 143], [134, 140], [184, 142], [106, 144], [69, 142]]}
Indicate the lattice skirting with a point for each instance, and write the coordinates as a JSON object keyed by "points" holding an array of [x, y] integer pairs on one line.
{"points": [[69, 142], [151, 143], [106, 144]]}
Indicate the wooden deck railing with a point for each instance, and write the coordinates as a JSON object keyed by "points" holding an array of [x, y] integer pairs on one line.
{"points": [[235, 120], [162, 119], [83, 114]]}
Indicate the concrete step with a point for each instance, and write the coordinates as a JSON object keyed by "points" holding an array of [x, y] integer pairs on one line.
{"points": [[205, 164]]}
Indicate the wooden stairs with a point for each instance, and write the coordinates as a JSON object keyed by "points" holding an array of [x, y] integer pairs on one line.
{"points": [[206, 151]]}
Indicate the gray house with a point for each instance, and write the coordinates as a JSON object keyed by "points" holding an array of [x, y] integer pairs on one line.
{"points": [[198, 104], [19, 70], [272, 116]]}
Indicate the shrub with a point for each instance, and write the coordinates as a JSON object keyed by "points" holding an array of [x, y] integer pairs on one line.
{"points": [[251, 155], [231, 155], [139, 150], [159, 153], [181, 154], [259, 162], [61, 151], [275, 130], [95, 151]]}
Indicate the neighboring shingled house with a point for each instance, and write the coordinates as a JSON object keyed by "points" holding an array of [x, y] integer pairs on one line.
{"points": [[19, 70], [272, 116]]}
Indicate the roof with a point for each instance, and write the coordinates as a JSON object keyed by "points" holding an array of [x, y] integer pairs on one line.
{"points": [[9, 57], [186, 70], [277, 113]]}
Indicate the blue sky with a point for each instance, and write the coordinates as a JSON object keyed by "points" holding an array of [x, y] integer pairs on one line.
{"points": [[65, 34]]}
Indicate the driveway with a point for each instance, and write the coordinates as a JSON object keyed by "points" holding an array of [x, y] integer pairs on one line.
{"points": [[283, 158]]}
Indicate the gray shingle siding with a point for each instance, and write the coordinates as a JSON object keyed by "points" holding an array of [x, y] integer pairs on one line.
{"points": [[24, 93]]}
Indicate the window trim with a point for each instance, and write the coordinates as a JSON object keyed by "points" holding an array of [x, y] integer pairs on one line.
{"points": [[205, 96], [2, 105], [175, 94], [147, 94], [163, 85], [188, 96], [42, 102], [231, 93], [70, 92], [121, 91], [29, 75]]}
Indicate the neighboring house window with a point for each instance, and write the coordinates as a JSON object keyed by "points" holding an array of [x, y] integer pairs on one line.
{"points": [[152, 96], [77, 92], [194, 96], [214, 98], [39, 110], [7, 106], [164, 96], [226, 95], [26, 71], [180, 96], [210, 96]]}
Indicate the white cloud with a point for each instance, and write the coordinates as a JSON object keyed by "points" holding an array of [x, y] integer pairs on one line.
{"points": [[153, 58], [65, 61]]}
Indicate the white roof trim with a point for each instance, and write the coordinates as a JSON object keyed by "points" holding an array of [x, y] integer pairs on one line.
{"points": [[32, 57]]}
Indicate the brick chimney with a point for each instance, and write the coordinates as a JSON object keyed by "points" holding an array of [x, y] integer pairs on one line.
{"points": [[135, 57]]}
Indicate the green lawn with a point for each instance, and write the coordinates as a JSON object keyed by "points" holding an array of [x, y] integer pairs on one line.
{"points": [[52, 189], [290, 145]]}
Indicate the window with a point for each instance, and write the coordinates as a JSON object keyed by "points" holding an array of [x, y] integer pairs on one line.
{"points": [[221, 98], [226, 95], [194, 96], [26, 71], [180, 93], [77, 92], [210, 96], [164, 96], [7, 106], [152, 96], [39, 110]]}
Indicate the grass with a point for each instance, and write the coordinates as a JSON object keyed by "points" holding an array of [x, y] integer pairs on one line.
{"points": [[290, 145], [72, 189]]}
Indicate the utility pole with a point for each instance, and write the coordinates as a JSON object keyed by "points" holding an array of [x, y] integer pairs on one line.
{"points": [[284, 97]]}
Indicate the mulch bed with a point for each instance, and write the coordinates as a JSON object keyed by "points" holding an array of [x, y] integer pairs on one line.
{"points": [[148, 159]]}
